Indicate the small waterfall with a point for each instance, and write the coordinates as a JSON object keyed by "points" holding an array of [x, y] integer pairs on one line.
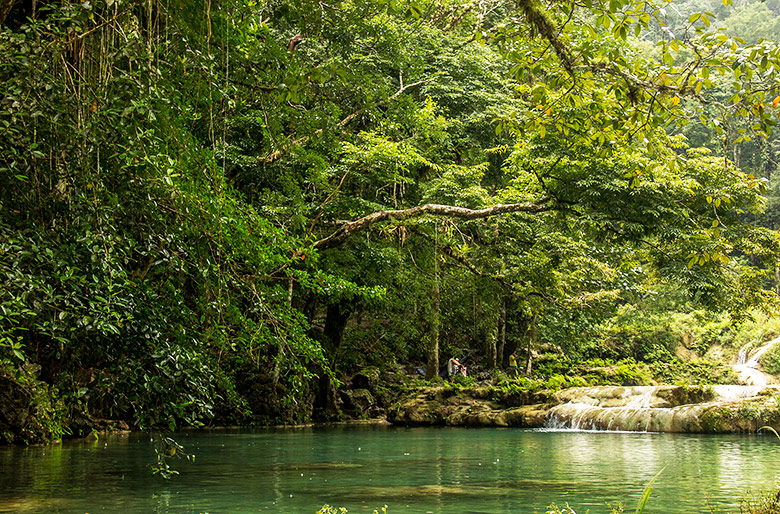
{"points": [[747, 365], [643, 409], [743, 354], [753, 361]]}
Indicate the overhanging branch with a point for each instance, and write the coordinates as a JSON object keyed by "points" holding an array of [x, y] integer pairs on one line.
{"points": [[360, 224]]}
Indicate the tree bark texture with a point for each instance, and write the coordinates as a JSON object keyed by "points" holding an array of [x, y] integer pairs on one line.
{"points": [[336, 318], [501, 333]]}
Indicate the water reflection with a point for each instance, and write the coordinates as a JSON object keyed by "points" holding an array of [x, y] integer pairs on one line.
{"points": [[450, 471]]}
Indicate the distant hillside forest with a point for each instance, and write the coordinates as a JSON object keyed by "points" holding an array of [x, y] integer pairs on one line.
{"points": [[214, 212]]}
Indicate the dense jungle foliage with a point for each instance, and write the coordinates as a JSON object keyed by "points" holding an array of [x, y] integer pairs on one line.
{"points": [[212, 212]]}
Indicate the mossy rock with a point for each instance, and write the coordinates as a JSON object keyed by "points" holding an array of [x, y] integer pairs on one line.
{"points": [[418, 410], [368, 378], [742, 417], [360, 403], [686, 395]]}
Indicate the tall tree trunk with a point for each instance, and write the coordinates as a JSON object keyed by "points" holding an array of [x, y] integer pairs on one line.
{"points": [[336, 318], [501, 332], [777, 280], [433, 345], [516, 328], [531, 344], [491, 343]]}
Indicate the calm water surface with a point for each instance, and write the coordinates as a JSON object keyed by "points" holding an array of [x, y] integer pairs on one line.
{"points": [[416, 470]]}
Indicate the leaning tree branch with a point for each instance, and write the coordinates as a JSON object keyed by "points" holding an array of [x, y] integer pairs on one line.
{"points": [[360, 224]]}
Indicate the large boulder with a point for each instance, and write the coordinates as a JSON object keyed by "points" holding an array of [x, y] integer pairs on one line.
{"points": [[360, 403], [368, 378], [369, 392]]}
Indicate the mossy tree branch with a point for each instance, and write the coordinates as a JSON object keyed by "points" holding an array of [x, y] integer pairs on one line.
{"points": [[351, 227]]}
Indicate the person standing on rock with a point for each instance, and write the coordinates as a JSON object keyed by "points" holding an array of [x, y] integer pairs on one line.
{"points": [[453, 365], [513, 365]]}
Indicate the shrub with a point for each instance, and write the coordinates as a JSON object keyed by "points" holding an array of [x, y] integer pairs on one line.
{"points": [[693, 372]]}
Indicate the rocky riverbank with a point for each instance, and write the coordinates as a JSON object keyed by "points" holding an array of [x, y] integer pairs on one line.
{"points": [[698, 409]]}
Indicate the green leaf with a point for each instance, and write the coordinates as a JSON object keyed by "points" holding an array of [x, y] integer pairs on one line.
{"points": [[646, 495], [413, 11]]}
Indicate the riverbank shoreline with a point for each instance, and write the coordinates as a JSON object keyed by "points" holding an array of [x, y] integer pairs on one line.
{"points": [[663, 408], [667, 408]]}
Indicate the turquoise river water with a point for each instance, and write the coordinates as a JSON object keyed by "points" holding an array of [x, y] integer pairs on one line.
{"points": [[412, 470]]}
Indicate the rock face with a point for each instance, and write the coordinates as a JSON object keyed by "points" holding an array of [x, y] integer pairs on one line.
{"points": [[703, 409], [368, 394]]}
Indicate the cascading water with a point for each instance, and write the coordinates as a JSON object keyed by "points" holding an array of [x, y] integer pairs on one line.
{"points": [[746, 366], [644, 409], [753, 361]]}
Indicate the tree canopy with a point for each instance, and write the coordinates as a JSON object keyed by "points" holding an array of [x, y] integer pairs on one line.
{"points": [[210, 209]]}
